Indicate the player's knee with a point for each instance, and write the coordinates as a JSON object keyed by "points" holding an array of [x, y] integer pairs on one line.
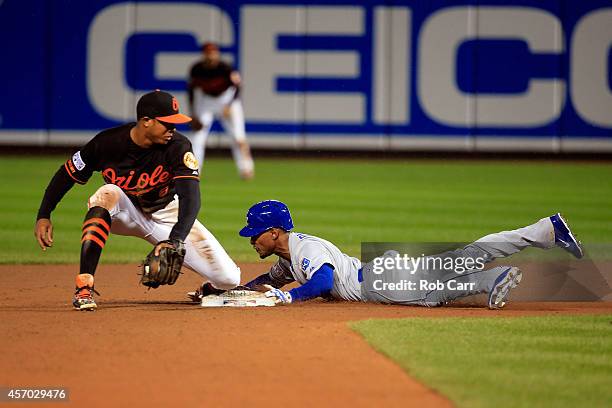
{"points": [[227, 281], [106, 196]]}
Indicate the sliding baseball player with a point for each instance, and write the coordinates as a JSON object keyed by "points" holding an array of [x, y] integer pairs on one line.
{"points": [[322, 270]]}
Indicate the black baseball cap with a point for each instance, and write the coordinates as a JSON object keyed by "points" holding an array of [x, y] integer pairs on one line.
{"points": [[162, 106]]}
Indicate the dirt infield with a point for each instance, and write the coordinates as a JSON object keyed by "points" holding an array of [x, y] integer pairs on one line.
{"points": [[292, 356]]}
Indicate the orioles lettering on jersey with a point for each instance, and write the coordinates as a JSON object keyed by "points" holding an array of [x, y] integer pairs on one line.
{"points": [[140, 185], [145, 175]]}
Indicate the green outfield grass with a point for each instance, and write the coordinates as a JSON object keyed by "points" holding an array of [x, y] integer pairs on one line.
{"points": [[557, 361], [345, 201]]}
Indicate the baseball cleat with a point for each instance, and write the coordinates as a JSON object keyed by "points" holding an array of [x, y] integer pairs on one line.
{"points": [[83, 297], [507, 280], [564, 237], [195, 296], [83, 301], [204, 290]]}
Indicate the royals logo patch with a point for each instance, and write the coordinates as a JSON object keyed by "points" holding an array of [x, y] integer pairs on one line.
{"points": [[305, 263]]}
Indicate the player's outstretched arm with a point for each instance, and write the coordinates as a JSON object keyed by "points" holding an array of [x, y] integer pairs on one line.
{"points": [[259, 282], [321, 282], [43, 231], [277, 277], [188, 191], [57, 188]]}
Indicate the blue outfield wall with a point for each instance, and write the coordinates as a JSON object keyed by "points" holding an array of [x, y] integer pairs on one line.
{"points": [[384, 75]]}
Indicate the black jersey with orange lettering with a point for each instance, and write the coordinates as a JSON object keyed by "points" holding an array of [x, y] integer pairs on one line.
{"points": [[212, 80], [146, 175]]}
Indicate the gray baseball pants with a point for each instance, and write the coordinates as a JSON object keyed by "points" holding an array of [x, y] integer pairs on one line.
{"points": [[425, 286]]}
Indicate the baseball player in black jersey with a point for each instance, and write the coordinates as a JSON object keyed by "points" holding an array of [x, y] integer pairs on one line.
{"points": [[151, 191], [214, 87]]}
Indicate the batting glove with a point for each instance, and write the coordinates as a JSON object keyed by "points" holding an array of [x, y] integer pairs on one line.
{"points": [[281, 298]]}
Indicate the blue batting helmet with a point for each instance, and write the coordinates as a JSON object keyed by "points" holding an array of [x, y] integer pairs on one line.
{"points": [[265, 215]]}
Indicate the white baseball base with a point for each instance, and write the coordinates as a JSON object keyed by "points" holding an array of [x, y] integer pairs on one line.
{"points": [[237, 298]]}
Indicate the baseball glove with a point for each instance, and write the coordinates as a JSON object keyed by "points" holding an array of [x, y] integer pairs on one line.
{"points": [[163, 269]]}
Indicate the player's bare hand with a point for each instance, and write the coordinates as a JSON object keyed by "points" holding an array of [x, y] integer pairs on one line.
{"points": [[196, 124], [44, 233], [235, 78], [160, 245], [227, 112]]}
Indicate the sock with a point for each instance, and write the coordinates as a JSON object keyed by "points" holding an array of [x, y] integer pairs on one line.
{"points": [[96, 228], [84, 280]]}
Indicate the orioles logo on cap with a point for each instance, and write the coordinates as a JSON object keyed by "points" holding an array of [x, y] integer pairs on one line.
{"points": [[175, 104], [190, 161]]}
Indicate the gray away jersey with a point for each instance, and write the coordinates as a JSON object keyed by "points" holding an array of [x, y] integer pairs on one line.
{"points": [[308, 254]]}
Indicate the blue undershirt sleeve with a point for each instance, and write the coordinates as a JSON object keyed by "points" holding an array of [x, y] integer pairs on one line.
{"points": [[321, 283], [261, 280]]}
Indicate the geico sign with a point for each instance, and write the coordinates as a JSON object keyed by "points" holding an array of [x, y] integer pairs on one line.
{"points": [[384, 102]]}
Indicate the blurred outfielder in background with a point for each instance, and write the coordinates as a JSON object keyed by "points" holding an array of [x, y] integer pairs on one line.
{"points": [[214, 88]]}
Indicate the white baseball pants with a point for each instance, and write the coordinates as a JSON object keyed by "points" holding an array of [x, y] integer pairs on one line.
{"points": [[208, 108], [204, 254]]}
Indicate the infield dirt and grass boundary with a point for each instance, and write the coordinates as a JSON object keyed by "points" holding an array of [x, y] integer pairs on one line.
{"points": [[153, 349]]}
